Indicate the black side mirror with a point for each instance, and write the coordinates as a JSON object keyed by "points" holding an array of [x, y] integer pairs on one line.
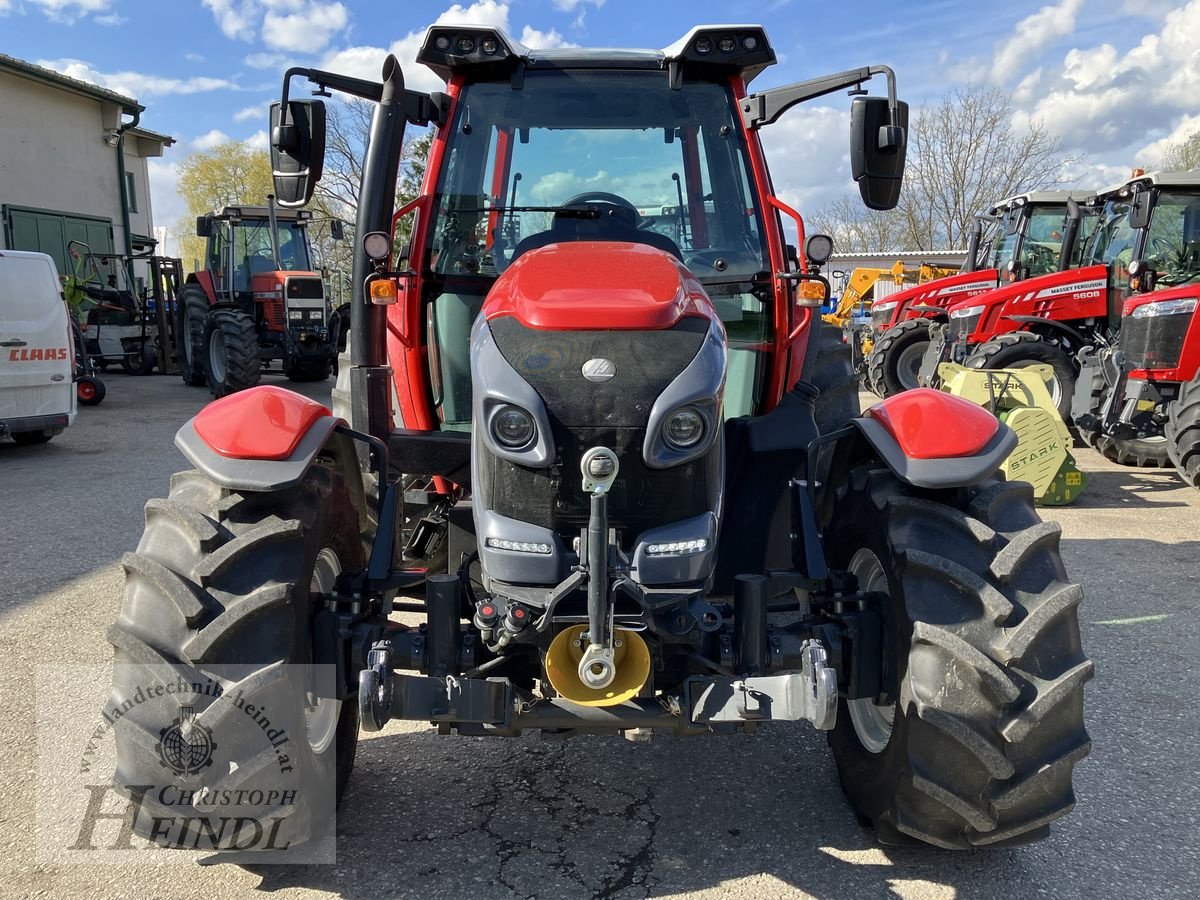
{"points": [[1139, 212], [203, 226], [297, 151], [337, 230], [877, 150]]}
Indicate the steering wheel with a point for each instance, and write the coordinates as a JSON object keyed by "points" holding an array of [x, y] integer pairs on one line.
{"points": [[601, 197], [1163, 248]]}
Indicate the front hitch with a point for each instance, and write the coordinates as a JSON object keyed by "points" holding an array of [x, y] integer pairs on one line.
{"points": [[597, 667]]}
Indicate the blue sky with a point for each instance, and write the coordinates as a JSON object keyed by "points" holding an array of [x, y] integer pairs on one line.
{"points": [[1114, 79]]}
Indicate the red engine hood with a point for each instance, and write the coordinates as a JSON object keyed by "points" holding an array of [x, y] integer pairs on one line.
{"points": [[1181, 292], [940, 292], [1035, 296], [597, 286]]}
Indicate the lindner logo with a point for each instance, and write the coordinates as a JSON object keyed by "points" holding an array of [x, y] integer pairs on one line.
{"points": [[185, 747], [599, 369]]}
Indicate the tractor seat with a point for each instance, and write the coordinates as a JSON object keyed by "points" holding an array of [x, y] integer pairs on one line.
{"points": [[615, 224]]}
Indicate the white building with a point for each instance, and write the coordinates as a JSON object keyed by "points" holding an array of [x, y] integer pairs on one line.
{"points": [[72, 165]]}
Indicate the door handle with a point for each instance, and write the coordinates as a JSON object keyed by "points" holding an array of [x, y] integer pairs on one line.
{"points": [[15, 343]]}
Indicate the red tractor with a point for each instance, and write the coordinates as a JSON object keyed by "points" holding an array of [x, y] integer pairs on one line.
{"points": [[1026, 242], [257, 298], [1138, 396], [593, 450]]}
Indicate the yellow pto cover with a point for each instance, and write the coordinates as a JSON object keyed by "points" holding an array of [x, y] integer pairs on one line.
{"points": [[1020, 399]]}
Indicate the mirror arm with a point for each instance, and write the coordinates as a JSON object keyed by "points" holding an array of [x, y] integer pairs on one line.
{"points": [[767, 107], [419, 108]]}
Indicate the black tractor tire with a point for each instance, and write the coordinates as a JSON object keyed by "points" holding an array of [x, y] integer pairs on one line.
{"points": [[311, 370], [828, 368], [89, 390], [1142, 453], [192, 311], [231, 360], [981, 635], [1018, 349], [220, 588], [29, 438], [896, 357], [1183, 432]]}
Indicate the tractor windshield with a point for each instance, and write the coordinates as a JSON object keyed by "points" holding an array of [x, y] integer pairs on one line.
{"points": [[253, 255], [1173, 239], [674, 159], [1036, 242]]}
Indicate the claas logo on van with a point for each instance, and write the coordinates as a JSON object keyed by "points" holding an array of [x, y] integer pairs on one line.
{"points": [[36, 354]]}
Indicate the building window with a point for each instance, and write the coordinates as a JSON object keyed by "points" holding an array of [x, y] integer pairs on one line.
{"points": [[130, 193]]}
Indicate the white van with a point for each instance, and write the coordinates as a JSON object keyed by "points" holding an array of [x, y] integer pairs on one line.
{"points": [[37, 355]]}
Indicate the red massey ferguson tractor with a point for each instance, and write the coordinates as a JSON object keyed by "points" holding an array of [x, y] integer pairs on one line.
{"points": [[256, 299], [605, 447], [1138, 395], [1027, 235]]}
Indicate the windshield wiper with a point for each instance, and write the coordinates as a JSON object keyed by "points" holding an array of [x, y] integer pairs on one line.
{"points": [[569, 212]]}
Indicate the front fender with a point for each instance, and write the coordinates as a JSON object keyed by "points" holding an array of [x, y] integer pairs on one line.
{"points": [[261, 439], [931, 439]]}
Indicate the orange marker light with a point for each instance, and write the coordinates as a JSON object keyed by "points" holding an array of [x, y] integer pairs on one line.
{"points": [[383, 291]]}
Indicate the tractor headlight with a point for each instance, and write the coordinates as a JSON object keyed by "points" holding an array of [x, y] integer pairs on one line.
{"points": [[295, 314], [684, 428], [1165, 308], [513, 428], [966, 312]]}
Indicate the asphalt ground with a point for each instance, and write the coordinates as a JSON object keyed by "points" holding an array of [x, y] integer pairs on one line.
{"points": [[750, 817]]}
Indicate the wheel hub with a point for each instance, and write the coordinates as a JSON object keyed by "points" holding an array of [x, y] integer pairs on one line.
{"points": [[872, 722], [321, 714]]}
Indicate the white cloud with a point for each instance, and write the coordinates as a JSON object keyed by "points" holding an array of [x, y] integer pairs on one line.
{"points": [[1032, 35], [258, 111], [543, 40], [110, 20], [265, 60], [810, 139], [258, 140], [5, 6], [236, 18], [304, 28], [572, 5], [194, 57], [1150, 156], [136, 84], [1101, 100], [211, 139], [68, 12]]}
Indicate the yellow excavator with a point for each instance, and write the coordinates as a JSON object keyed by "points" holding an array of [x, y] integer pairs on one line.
{"points": [[867, 284]]}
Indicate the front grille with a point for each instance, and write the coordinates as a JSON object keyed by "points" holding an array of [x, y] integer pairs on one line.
{"points": [[585, 414], [305, 289], [640, 498], [961, 327], [1154, 342]]}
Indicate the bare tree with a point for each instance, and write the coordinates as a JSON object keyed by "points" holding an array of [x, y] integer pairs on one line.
{"points": [[348, 128], [856, 229], [1183, 155], [963, 155]]}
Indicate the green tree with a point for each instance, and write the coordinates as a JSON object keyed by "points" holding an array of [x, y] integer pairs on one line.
{"points": [[227, 174], [1183, 155]]}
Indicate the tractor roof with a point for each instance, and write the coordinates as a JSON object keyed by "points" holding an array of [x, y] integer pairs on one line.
{"points": [[1035, 197], [261, 212], [484, 53], [1142, 180]]}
